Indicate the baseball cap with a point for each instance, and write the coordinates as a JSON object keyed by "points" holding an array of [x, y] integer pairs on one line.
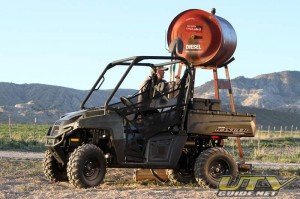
{"points": [[162, 68], [158, 68]]}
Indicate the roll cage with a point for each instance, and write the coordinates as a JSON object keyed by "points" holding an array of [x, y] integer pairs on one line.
{"points": [[133, 62]]}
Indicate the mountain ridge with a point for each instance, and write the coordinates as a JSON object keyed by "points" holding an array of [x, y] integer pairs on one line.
{"points": [[278, 92]]}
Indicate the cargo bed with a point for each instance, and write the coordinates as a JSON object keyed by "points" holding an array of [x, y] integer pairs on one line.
{"points": [[221, 123]]}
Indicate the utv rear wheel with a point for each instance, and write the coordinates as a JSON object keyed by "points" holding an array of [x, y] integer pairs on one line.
{"points": [[212, 164], [53, 170], [86, 166]]}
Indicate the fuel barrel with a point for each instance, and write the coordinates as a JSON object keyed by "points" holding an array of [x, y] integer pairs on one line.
{"points": [[208, 40]]}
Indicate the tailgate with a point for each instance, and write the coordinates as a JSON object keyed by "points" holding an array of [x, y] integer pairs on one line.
{"points": [[221, 123]]}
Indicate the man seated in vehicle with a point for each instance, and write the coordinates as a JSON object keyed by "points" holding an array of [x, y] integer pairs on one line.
{"points": [[154, 86]]}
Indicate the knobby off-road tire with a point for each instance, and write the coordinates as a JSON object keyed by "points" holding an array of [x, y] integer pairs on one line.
{"points": [[211, 164], [86, 166], [53, 170]]}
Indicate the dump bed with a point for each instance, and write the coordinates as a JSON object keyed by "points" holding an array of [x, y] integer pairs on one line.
{"points": [[205, 117]]}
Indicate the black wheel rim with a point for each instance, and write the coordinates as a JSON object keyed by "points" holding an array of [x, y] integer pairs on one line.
{"points": [[91, 169], [218, 168]]}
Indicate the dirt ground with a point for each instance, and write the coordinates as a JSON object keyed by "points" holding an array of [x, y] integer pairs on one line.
{"points": [[21, 176]]}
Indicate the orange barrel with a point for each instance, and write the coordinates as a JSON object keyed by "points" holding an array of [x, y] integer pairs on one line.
{"points": [[208, 40]]}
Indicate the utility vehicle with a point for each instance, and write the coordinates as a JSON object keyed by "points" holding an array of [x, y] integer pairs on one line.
{"points": [[171, 131]]}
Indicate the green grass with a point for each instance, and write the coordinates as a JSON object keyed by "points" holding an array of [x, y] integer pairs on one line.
{"points": [[23, 137], [270, 146], [274, 147]]}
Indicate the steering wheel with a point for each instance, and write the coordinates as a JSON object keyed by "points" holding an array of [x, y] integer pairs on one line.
{"points": [[126, 101]]}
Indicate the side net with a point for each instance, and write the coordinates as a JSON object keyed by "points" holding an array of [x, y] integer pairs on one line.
{"points": [[153, 114]]}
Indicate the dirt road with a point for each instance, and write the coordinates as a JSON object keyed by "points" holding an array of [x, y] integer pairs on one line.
{"points": [[21, 176], [256, 165]]}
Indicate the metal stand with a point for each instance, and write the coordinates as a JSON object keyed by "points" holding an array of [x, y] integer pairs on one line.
{"points": [[226, 84]]}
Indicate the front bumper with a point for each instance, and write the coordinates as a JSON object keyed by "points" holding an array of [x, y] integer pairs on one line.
{"points": [[55, 144]]}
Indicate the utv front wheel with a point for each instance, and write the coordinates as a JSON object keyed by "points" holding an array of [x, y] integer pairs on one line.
{"points": [[86, 166], [212, 164], [53, 170]]}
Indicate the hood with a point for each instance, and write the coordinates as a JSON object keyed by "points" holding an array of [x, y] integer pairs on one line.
{"points": [[71, 115]]}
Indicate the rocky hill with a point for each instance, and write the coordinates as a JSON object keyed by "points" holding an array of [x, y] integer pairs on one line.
{"points": [[276, 91], [274, 98], [46, 103]]}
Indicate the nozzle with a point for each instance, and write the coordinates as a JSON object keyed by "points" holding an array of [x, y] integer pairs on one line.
{"points": [[213, 11]]}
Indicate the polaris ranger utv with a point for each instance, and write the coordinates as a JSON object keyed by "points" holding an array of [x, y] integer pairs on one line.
{"points": [[171, 131]]}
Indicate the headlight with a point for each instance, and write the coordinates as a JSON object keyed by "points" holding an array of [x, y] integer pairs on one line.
{"points": [[55, 133]]}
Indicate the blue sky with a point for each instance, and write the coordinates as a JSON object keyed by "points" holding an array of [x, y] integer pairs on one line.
{"points": [[69, 42]]}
